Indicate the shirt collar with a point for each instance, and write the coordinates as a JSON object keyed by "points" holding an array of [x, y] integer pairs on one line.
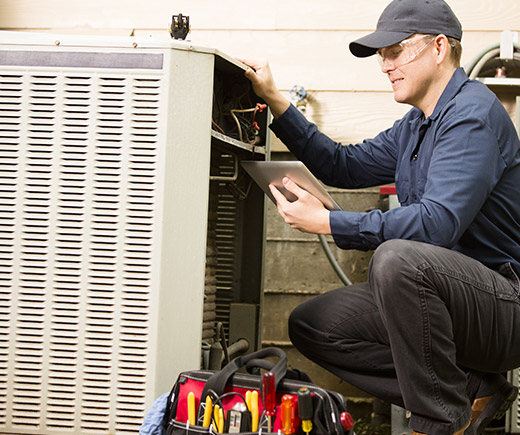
{"points": [[458, 79]]}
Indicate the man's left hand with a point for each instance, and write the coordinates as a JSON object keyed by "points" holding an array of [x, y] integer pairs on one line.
{"points": [[307, 213]]}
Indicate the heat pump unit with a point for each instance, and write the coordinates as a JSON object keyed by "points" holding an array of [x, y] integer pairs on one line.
{"points": [[120, 182]]}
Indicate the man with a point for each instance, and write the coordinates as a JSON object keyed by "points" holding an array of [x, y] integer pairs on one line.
{"points": [[435, 326]]}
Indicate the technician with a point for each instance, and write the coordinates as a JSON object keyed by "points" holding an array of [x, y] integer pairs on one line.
{"points": [[439, 319]]}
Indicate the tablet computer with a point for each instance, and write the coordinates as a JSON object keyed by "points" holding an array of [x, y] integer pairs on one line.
{"points": [[268, 172]]}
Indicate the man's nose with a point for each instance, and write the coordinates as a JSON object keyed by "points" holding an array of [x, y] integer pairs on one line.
{"points": [[387, 65]]}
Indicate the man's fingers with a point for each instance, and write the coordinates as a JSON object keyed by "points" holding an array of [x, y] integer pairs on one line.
{"points": [[251, 74], [280, 198], [248, 61], [292, 187]]}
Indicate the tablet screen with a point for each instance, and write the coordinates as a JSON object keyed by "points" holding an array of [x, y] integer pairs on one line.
{"points": [[265, 173]]}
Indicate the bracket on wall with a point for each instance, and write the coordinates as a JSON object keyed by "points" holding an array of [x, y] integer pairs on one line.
{"points": [[180, 26]]}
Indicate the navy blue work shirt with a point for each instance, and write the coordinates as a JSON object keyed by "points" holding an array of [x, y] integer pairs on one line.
{"points": [[457, 175]]}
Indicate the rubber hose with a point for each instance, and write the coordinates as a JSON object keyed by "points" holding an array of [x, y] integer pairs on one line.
{"points": [[324, 244]]}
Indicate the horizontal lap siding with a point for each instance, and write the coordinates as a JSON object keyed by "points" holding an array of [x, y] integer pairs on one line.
{"points": [[305, 41], [478, 15]]}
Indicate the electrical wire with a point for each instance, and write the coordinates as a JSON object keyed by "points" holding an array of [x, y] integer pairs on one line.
{"points": [[234, 111], [249, 125], [217, 400], [217, 126]]}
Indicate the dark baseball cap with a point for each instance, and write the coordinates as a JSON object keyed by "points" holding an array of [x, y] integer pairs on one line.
{"points": [[403, 18]]}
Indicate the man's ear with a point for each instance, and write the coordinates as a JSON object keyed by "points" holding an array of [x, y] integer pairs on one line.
{"points": [[442, 47]]}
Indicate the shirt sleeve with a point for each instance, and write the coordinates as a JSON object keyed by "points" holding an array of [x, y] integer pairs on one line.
{"points": [[370, 163], [465, 166]]}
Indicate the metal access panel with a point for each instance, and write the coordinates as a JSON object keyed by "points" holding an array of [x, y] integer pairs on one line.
{"points": [[105, 150]]}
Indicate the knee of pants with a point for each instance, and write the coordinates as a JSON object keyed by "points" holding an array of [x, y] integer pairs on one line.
{"points": [[388, 257], [392, 262], [304, 324], [296, 325]]}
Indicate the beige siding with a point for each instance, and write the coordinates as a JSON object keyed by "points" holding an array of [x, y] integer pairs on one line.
{"points": [[305, 41], [477, 15], [307, 44]]}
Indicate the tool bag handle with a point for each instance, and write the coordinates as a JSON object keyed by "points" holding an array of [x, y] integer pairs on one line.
{"points": [[218, 381], [253, 367]]}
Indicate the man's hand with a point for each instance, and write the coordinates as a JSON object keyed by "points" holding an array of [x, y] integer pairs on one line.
{"points": [[306, 214], [264, 85]]}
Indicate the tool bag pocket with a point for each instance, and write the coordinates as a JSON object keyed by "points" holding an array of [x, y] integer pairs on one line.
{"points": [[229, 388]]}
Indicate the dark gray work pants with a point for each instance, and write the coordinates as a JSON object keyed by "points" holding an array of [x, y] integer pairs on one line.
{"points": [[428, 320]]}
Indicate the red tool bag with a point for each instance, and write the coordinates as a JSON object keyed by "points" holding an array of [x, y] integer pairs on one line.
{"points": [[187, 411]]}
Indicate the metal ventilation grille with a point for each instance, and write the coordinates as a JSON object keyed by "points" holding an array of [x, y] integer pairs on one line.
{"points": [[78, 175], [227, 231], [10, 125]]}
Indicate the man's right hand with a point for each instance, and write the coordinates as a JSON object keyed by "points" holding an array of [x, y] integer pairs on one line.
{"points": [[264, 85]]}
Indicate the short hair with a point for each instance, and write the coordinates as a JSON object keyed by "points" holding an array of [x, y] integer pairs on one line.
{"points": [[456, 51]]}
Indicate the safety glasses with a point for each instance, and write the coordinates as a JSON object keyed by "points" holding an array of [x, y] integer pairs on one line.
{"points": [[404, 52]]}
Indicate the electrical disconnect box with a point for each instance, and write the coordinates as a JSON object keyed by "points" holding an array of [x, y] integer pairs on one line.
{"points": [[128, 228]]}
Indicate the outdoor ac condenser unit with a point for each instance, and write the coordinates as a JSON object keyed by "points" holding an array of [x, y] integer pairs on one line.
{"points": [[105, 153]]}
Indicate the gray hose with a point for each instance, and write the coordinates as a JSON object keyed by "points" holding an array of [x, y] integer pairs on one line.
{"points": [[332, 260], [478, 63], [469, 68], [482, 61]]}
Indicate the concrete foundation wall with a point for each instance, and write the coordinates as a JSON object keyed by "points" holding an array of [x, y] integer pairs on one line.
{"points": [[298, 269]]}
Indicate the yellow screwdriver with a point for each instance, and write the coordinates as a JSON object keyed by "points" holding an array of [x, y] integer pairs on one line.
{"points": [[207, 412], [191, 408], [305, 408], [254, 411]]}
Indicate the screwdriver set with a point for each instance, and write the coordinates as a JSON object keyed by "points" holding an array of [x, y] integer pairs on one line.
{"points": [[264, 401]]}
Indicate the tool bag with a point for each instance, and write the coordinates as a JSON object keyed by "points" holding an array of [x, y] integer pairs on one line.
{"points": [[230, 387]]}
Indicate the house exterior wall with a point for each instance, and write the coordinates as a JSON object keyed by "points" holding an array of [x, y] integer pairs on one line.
{"points": [[306, 43]]}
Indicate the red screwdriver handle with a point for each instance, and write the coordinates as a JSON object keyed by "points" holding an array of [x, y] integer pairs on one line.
{"points": [[269, 393]]}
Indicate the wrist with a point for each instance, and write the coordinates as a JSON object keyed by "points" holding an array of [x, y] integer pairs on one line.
{"points": [[325, 226], [277, 103]]}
